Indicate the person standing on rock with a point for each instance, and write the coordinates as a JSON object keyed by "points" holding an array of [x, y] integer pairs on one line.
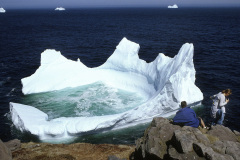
{"points": [[187, 117], [218, 110]]}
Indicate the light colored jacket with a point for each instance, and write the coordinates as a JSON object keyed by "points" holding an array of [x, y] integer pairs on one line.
{"points": [[219, 102]]}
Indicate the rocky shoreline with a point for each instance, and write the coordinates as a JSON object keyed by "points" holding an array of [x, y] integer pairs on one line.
{"points": [[161, 140]]}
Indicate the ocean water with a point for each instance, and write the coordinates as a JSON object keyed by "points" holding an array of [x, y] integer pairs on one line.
{"points": [[95, 99], [92, 35]]}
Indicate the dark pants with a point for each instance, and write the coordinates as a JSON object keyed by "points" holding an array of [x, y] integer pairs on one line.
{"points": [[219, 118]]}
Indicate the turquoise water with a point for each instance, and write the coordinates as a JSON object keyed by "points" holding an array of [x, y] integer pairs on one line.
{"points": [[85, 101]]}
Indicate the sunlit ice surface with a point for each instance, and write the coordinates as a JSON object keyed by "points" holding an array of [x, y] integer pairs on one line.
{"points": [[124, 91]]}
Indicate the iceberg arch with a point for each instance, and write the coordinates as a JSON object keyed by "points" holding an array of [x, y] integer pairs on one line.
{"points": [[164, 83]]}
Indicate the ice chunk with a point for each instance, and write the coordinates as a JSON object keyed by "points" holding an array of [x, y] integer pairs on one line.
{"points": [[173, 6], [164, 83], [2, 10], [27, 118], [59, 9]]}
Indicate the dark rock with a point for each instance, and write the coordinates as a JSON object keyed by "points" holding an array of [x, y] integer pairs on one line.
{"points": [[208, 152], [154, 145], [166, 130], [174, 155], [201, 149], [211, 155], [112, 157], [219, 147], [13, 144], [236, 133], [202, 138], [5, 153], [154, 142], [233, 149], [223, 133], [140, 148], [163, 140], [184, 140]]}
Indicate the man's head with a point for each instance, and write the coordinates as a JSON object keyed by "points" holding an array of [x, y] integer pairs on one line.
{"points": [[183, 104]]}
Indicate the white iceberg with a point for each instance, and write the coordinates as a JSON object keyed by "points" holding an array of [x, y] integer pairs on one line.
{"points": [[59, 9], [173, 6], [2, 10], [164, 83]]}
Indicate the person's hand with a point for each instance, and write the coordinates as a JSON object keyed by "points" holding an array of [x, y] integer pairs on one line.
{"points": [[227, 100]]}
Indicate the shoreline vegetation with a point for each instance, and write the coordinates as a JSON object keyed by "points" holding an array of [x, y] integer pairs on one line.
{"points": [[161, 140]]}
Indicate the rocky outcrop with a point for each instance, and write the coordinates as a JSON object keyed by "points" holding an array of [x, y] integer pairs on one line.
{"points": [[13, 144], [163, 140], [5, 153]]}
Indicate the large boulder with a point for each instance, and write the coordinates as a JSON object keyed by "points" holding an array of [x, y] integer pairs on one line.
{"points": [[163, 140], [155, 141], [13, 145], [223, 133], [5, 153]]}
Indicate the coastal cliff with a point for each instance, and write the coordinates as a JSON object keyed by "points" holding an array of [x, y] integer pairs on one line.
{"points": [[161, 140]]}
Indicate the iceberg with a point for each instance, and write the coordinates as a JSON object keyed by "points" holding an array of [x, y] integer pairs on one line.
{"points": [[59, 9], [2, 10], [163, 83], [173, 6]]}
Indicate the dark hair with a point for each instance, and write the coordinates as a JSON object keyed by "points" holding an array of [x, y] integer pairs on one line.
{"points": [[227, 91], [183, 104]]}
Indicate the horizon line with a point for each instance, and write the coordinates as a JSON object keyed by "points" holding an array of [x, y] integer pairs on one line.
{"points": [[117, 7]]}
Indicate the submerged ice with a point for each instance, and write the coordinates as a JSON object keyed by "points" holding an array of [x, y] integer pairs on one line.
{"points": [[162, 84]]}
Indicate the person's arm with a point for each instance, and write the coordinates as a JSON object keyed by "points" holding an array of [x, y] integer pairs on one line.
{"points": [[222, 100], [214, 96]]}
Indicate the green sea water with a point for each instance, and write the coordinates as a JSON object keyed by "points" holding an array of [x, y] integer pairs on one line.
{"points": [[95, 99]]}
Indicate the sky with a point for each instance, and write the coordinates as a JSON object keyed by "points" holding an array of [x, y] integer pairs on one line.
{"points": [[21, 4]]}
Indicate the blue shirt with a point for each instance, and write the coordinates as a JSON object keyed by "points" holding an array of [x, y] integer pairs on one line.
{"points": [[187, 117]]}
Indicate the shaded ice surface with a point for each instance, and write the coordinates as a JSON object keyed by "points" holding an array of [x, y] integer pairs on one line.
{"points": [[163, 84]]}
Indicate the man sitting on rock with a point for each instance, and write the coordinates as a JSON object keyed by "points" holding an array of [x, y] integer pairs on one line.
{"points": [[187, 117]]}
